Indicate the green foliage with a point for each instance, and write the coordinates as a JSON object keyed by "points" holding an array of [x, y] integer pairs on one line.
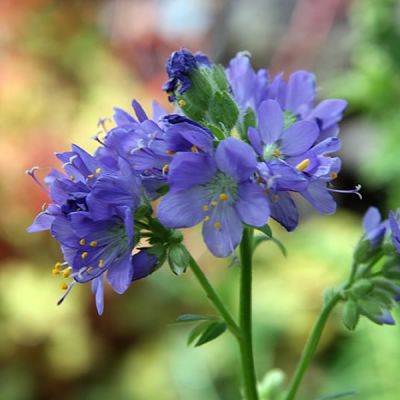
{"points": [[206, 332]]}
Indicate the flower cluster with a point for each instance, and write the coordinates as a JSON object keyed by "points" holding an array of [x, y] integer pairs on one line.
{"points": [[233, 152], [374, 287]]}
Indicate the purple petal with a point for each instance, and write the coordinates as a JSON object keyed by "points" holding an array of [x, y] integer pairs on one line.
{"points": [[121, 117], [120, 273], [98, 291], [255, 140], [372, 219], [183, 209], [222, 239], [298, 138], [42, 222], [285, 177], [284, 210], [252, 204], [300, 92], [394, 226], [319, 196], [329, 112], [143, 264], [270, 121], [236, 158], [140, 113], [190, 169]]}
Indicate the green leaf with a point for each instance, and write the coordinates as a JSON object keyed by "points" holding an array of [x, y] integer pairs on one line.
{"points": [[197, 331], [193, 318], [266, 230], [339, 395], [214, 330]]}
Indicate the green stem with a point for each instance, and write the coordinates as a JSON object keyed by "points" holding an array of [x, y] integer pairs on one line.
{"points": [[214, 298], [311, 346], [246, 344]]}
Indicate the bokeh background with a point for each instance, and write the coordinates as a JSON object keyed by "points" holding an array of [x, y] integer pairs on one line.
{"points": [[65, 64]]}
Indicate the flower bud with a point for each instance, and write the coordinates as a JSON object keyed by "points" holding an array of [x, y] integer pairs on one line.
{"points": [[223, 110], [178, 258], [350, 315]]}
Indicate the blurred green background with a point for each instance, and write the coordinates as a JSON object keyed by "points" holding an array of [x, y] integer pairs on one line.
{"points": [[65, 64]]}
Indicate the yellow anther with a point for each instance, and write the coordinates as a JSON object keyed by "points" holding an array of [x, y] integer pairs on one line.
{"points": [[260, 180], [84, 255], [276, 153], [181, 103], [223, 197], [64, 286], [67, 272], [101, 263], [71, 178], [206, 218], [93, 243], [266, 191], [301, 166], [170, 152], [82, 242], [89, 269], [57, 265], [334, 175], [275, 197], [55, 271], [194, 149], [165, 169], [214, 203], [97, 170], [90, 176], [205, 208], [217, 225]]}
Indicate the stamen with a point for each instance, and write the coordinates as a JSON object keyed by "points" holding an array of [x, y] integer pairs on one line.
{"points": [[58, 265], [64, 286], [89, 269], [31, 172], [97, 170], [93, 243], [223, 197], [90, 176], [97, 139], [205, 208], [170, 152], [275, 197], [206, 218], [356, 191], [55, 271], [181, 103], [82, 242], [214, 203], [165, 169], [194, 149], [102, 123], [334, 175], [84, 255], [217, 225], [301, 166], [101, 263], [67, 272], [276, 153], [68, 290], [72, 178]]}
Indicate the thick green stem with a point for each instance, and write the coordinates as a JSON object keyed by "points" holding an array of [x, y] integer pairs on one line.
{"points": [[245, 316], [214, 298], [311, 346]]}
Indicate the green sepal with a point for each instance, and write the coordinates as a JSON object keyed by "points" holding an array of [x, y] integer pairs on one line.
{"points": [[363, 251], [193, 318], [178, 258], [217, 132], [249, 120], [361, 288], [219, 77], [223, 110], [190, 109], [350, 314]]}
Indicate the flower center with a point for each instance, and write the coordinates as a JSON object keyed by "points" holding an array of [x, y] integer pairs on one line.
{"points": [[222, 187], [271, 151]]}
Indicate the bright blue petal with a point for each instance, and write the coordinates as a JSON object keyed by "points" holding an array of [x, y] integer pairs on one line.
{"points": [[120, 273], [270, 121], [98, 291], [372, 219], [300, 92], [236, 158], [284, 210], [319, 196], [298, 138]]}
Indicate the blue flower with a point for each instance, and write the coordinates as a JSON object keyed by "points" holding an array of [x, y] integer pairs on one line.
{"points": [[179, 66], [92, 217], [217, 189], [394, 218], [374, 227]]}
